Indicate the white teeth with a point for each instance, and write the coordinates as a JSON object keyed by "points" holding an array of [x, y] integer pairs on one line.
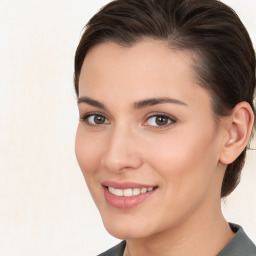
{"points": [[143, 190], [111, 190], [129, 191], [136, 191], [119, 192]]}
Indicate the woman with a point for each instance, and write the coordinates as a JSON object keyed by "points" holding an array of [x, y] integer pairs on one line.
{"points": [[165, 96]]}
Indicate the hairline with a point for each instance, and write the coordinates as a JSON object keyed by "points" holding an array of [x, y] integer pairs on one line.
{"points": [[196, 62]]}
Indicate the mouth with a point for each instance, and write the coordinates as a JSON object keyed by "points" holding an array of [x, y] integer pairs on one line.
{"points": [[126, 195], [128, 192]]}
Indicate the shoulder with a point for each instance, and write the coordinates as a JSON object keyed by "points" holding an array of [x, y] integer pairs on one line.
{"points": [[241, 244], [117, 250]]}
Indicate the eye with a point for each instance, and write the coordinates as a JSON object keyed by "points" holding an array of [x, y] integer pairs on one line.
{"points": [[159, 120], [95, 119]]}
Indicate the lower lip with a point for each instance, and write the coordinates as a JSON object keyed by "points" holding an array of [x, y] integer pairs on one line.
{"points": [[126, 202]]}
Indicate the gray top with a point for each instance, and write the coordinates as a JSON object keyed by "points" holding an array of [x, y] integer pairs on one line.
{"points": [[240, 245]]}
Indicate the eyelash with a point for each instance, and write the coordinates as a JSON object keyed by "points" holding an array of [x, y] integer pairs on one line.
{"points": [[171, 120], [87, 116]]}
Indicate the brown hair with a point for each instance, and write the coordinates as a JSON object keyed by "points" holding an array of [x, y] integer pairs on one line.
{"points": [[225, 62]]}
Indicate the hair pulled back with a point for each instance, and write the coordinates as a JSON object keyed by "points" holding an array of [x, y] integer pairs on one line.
{"points": [[225, 59]]}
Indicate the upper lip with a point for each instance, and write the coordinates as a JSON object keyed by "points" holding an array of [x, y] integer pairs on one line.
{"points": [[125, 185]]}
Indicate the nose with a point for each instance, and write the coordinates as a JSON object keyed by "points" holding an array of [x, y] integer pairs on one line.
{"points": [[122, 152]]}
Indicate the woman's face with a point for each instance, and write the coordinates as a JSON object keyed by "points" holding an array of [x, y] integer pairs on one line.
{"points": [[147, 142]]}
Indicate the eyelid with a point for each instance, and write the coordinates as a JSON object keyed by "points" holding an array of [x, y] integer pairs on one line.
{"points": [[84, 118], [173, 120], [170, 117]]}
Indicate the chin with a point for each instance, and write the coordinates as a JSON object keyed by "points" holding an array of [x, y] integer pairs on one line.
{"points": [[123, 230]]}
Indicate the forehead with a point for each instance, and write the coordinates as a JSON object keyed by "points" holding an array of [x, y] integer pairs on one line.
{"points": [[149, 68], [148, 62], [119, 76]]}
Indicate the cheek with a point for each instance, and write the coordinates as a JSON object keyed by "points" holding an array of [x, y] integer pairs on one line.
{"points": [[187, 168], [87, 150], [88, 154], [186, 162]]}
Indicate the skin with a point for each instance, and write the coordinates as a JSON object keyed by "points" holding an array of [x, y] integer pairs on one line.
{"points": [[186, 158]]}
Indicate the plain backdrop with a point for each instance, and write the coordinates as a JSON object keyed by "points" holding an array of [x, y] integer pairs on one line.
{"points": [[45, 207]]}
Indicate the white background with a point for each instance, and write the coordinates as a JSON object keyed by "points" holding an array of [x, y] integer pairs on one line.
{"points": [[45, 207]]}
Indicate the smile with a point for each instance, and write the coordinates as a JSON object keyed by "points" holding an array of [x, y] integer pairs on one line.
{"points": [[129, 191], [127, 195]]}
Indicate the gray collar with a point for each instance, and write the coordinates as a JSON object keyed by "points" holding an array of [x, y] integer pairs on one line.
{"points": [[240, 245]]}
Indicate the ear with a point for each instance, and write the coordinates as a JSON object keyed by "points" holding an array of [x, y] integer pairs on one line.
{"points": [[239, 128]]}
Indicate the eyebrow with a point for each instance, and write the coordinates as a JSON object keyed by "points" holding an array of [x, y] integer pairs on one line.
{"points": [[155, 101], [91, 102], [137, 105]]}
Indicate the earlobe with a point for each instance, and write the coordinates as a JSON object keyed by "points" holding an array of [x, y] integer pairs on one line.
{"points": [[239, 129]]}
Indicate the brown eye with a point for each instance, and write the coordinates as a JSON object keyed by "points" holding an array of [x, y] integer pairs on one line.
{"points": [[95, 119], [159, 120], [99, 119]]}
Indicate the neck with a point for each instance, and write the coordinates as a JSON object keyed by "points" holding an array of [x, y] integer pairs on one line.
{"points": [[205, 234]]}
